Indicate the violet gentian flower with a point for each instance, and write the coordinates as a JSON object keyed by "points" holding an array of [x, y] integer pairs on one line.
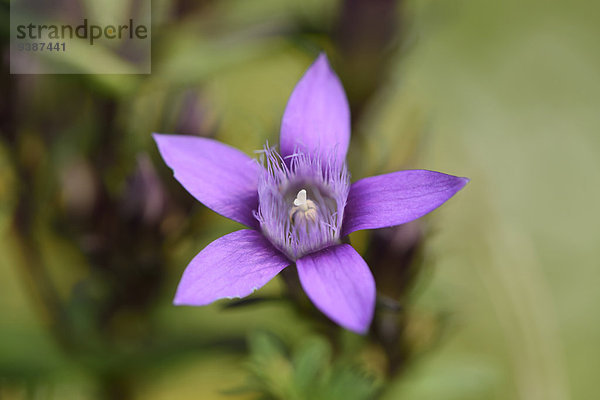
{"points": [[298, 204]]}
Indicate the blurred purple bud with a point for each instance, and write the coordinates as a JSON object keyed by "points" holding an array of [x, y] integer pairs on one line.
{"points": [[192, 118], [391, 255], [144, 197], [79, 188]]}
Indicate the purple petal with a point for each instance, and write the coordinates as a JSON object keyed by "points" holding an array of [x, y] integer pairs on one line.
{"points": [[232, 266], [397, 198], [219, 176], [317, 117], [340, 284]]}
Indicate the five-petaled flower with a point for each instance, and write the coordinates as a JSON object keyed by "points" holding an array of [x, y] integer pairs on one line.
{"points": [[299, 205]]}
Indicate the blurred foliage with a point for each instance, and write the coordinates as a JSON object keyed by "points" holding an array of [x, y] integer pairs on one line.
{"points": [[491, 297], [305, 373]]}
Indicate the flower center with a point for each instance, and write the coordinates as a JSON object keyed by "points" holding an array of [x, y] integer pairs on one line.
{"points": [[304, 210], [301, 202]]}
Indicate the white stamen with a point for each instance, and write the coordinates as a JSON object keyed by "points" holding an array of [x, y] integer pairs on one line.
{"points": [[304, 210], [300, 200]]}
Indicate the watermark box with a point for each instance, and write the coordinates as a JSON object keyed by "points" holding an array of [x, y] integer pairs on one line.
{"points": [[80, 37]]}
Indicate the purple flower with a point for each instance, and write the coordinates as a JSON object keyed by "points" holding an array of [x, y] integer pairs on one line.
{"points": [[299, 205]]}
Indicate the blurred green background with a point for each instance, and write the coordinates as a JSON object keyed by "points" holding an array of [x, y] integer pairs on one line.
{"points": [[493, 296]]}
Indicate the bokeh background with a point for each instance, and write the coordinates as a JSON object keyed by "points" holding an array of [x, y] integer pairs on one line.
{"points": [[493, 296]]}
